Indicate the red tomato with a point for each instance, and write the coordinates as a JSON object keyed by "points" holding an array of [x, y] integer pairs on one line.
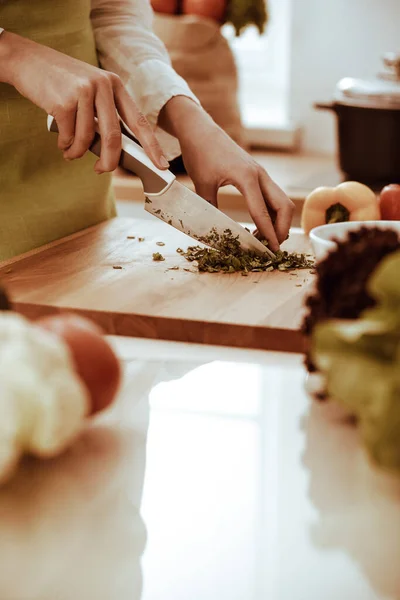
{"points": [[390, 203], [95, 361], [213, 9], [165, 6]]}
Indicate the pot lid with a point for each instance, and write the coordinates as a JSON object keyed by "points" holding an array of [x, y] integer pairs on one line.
{"points": [[381, 92]]}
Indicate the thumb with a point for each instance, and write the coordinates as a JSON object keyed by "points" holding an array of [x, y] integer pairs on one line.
{"points": [[208, 192]]}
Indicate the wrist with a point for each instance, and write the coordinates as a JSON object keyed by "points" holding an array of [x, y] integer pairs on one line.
{"points": [[182, 117]]}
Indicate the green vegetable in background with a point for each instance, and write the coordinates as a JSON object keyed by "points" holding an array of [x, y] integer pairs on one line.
{"points": [[360, 360], [241, 13]]}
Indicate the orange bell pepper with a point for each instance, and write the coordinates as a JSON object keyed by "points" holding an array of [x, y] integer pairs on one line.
{"points": [[350, 201]]}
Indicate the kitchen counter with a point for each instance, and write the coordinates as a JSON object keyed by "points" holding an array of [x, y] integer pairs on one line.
{"points": [[297, 174], [248, 492]]}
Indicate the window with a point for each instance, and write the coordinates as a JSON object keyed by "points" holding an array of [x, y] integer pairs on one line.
{"points": [[263, 65]]}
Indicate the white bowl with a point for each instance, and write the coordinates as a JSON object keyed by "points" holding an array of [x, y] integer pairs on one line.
{"points": [[322, 237]]}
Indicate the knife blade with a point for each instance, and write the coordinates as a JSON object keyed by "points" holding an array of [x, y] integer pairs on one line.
{"points": [[171, 201]]}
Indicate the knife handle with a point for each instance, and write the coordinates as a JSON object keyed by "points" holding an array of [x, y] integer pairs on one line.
{"points": [[133, 158]]}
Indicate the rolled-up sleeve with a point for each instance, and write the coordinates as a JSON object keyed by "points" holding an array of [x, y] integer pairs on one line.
{"points": [[127, 46]]}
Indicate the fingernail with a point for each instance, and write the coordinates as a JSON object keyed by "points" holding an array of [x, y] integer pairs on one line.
{"points": [[164, 162]]}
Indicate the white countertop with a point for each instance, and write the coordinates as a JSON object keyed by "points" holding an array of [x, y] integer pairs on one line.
{"points": [[249, 492]]}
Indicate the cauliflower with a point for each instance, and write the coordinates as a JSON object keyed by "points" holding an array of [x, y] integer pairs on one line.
{"points": [[43, 402]]}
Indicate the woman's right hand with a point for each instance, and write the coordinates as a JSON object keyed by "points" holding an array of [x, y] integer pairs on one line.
{"points": [[74, 93]]}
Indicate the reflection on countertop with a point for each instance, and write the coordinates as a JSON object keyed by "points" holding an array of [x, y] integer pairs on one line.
{"points": [[71, 527], [249, 493], [358, 507]]}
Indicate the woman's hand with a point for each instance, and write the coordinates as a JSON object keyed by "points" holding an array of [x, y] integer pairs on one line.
{"points": [[74, 92], [213, 160]]}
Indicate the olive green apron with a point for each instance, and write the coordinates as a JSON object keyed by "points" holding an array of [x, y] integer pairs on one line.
{"points": [[43, 197]]}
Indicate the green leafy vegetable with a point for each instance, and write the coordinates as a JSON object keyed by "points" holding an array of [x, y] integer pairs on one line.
{"points": [[360, 360], [157, 257]]}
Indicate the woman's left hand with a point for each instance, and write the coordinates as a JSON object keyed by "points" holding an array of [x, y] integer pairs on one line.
{"points": [[213, 160]]}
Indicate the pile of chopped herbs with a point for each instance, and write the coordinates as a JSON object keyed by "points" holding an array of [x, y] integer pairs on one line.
{"points": [[157, 257], [231, 258]]}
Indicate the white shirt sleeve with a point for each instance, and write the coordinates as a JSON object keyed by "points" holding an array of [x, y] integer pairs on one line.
{"points": [[127, 46]]}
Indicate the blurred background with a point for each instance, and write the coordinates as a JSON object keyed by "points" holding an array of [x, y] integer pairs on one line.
{"points": [[306, 47], [259, 67]]}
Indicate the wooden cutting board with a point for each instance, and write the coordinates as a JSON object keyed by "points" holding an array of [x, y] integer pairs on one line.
{"points": [[143, 298]]}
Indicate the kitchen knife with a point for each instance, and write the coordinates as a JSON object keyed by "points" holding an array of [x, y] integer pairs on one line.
{"points": [[171, 201]]}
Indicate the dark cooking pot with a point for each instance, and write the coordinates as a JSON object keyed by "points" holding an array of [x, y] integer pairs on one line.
{"points": [[368, 116]]}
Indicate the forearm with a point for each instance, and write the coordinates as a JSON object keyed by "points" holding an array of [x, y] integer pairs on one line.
{"points": [[127, 46], [10, 50]]}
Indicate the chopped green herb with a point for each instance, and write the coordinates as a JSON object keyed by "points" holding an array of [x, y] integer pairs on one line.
{"points": [[231, 258], [173, 269], [117, 267], [148, 201], [180, 251], [157, 257], [141, 239], [131, 237], [160, 244], [181, 222], [157, 212]]}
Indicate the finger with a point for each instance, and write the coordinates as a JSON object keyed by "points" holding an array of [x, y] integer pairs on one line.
{"points": [[258, 210], [208, 192], [84, 130], [139, 125], [279, 203], [66, 121], [110, 129]]}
